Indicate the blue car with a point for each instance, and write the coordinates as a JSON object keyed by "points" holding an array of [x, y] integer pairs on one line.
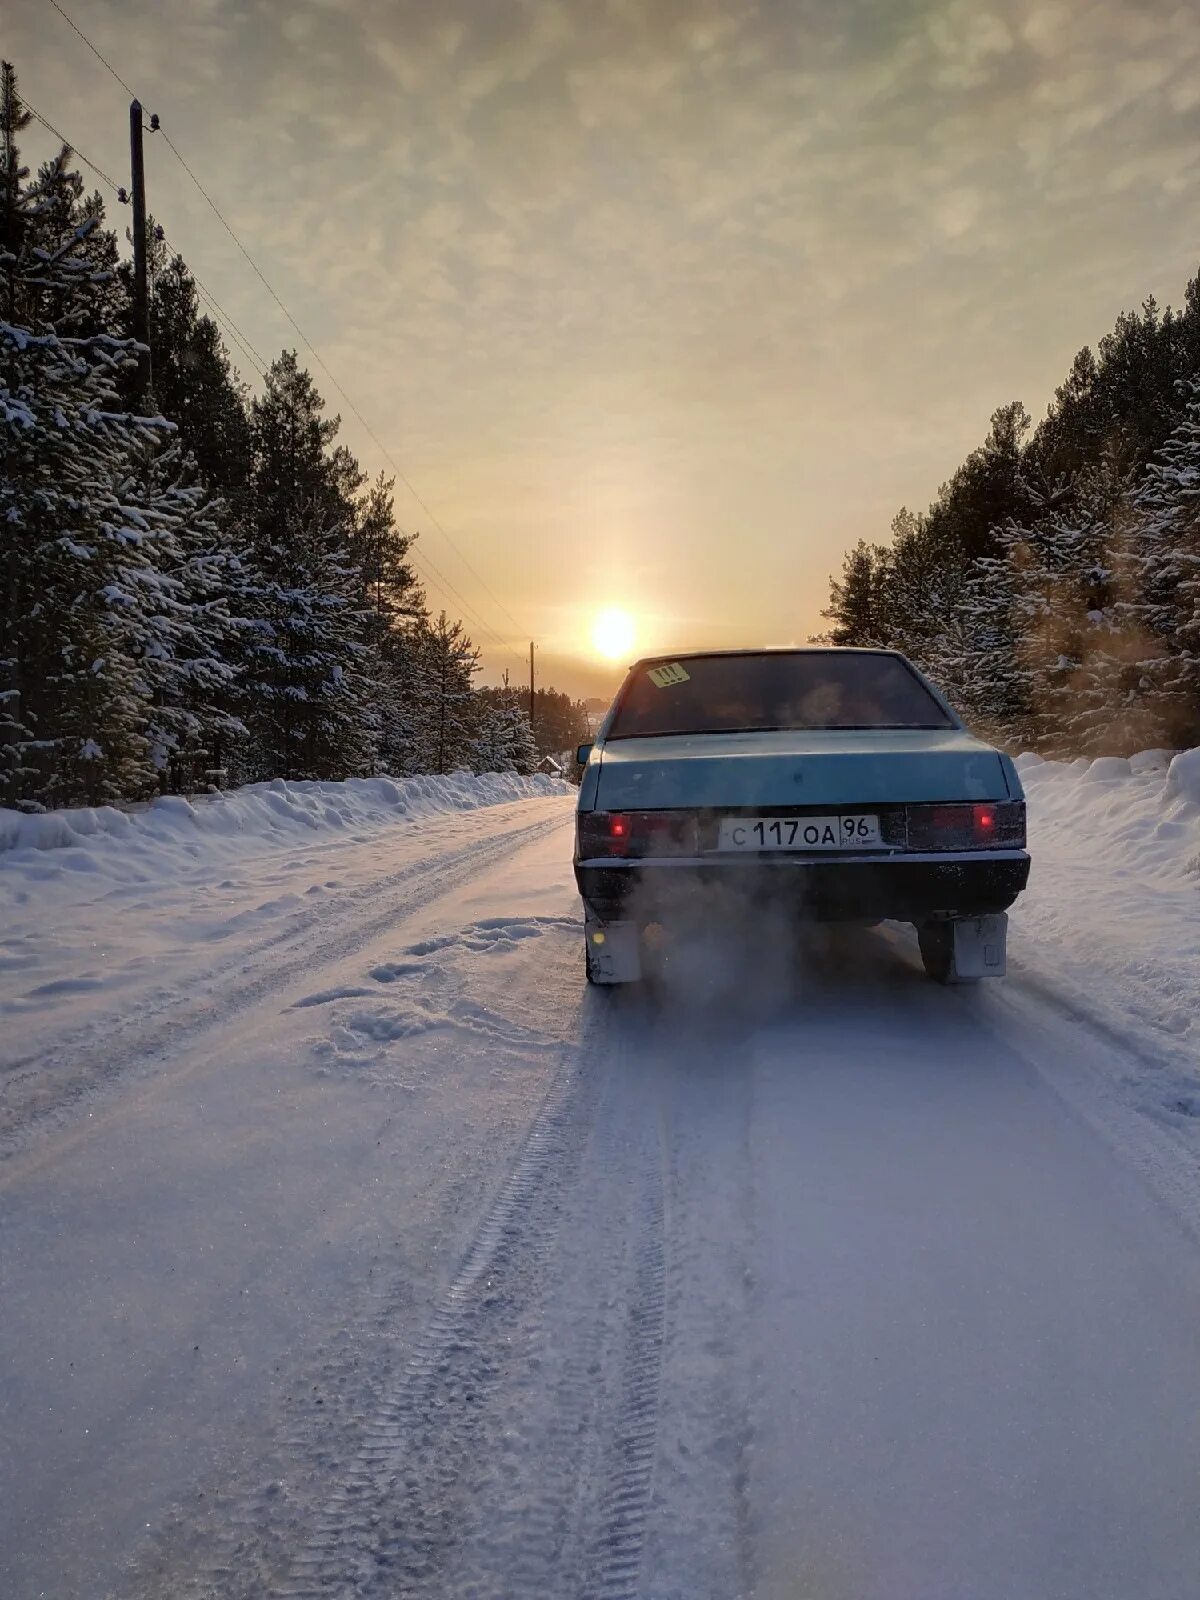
{"points": [[837, 783]]}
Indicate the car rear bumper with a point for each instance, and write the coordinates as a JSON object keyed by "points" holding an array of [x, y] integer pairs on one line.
{"points": [[903, 888]]}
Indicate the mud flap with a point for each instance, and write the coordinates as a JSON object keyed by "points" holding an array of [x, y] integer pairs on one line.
{"points": [[981, 947], [614, 951]]}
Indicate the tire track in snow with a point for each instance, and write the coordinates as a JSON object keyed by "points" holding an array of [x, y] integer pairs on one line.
{"points": [[239, 1526], [509, 1450], [625, 1502], [514, 1454], [392, 1516], [558, 1508], [1117, 1086], [41, 1089], [708, 1067]]}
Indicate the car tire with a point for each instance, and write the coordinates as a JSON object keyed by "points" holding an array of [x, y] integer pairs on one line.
{"points": [[936, 940]]}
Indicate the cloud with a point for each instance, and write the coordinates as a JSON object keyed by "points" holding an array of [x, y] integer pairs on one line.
{"points": [[674, 275]]}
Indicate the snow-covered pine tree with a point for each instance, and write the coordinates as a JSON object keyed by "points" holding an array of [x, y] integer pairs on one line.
{"points": [[522, 746], [489, 747], [1128, 671], [440, 698], [71, 713], [121, 638], [391, 591], [917, 583], [63, 207], [503, 740], [935, 639], [1061, 584], [988, 490], [311, 701], [196, 386], [194, 383], [391, 601], [560, 723], [307, 696], [1078, 617], [1165, 552], [402, 699], [853, 608], [980, 665], [175, 578]]}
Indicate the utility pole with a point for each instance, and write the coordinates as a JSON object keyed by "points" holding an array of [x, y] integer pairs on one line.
{"points": [[531, 711], [141, 294]]}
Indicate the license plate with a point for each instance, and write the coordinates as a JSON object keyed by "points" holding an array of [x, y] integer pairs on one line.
{"points": [[798, 833]]}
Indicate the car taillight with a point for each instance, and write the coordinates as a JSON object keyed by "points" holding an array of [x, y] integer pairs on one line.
{"points": [[603, 833], [635, 833], [997, 825]]}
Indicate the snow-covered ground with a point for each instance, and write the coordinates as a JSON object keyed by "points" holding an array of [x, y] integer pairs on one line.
{"points": [[118, 928], [348, 1246], [1108, 935], [1114, 906]]}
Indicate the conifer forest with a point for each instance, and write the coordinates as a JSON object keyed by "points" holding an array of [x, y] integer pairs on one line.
{"points": [[201, 588]]}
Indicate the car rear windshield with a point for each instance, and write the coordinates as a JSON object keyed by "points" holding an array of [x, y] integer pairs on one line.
{"points": [[813, 689]]}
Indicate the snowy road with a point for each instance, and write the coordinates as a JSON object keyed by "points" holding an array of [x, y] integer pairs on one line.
{"points": [[364, 1253]]}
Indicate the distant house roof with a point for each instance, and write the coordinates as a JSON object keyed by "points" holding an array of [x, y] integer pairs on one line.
{"points": [[550, 765]]}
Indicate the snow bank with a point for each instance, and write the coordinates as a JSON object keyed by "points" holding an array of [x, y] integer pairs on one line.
{"points": [[1183, 777], [1138, 817], [143, 843], [1113, 906]]}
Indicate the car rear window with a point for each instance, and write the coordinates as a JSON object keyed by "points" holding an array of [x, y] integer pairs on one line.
{"points": [[814, 689]]}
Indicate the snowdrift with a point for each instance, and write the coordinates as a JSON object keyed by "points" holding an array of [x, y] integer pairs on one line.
{"points": [[1138, 817], [1113, 906], [147, 842]]}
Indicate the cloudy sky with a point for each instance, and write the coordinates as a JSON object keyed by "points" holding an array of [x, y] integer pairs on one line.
{"points": [[658, 303]]}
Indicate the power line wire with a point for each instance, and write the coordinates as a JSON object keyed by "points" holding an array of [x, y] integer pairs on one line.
{"points": [[316, 355], [221, 316], [255, 357], [49, 126], [230, 328], [258, 362], [102, 59], [371, 434]]}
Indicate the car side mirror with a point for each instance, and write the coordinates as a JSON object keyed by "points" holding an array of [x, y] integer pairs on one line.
{"points": [[582, 754]]}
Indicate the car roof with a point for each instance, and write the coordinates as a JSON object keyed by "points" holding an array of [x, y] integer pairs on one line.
{"points": [[770, 650]]}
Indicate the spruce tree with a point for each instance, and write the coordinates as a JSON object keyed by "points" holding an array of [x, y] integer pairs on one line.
{"points": [[177, 575], [71, 712], [194, 383], [560, 723], [310, 697], [440, 697], [853, 608], [981, 666], [1063, 633], [1166, 509], [1054, 604], [503, 740]]}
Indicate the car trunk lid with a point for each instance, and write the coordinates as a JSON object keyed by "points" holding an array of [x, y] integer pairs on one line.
{"points": [[798, 767]]}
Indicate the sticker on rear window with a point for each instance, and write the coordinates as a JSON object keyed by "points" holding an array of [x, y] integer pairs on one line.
{"points": [[665, 676]]}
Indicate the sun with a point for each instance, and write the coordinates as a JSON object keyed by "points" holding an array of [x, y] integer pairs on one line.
{"points": [[612, 633]]}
